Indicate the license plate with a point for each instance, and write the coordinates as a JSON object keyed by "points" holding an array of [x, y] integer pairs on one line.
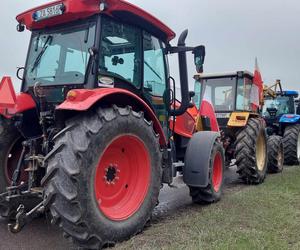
{"points": [[52, 11]]}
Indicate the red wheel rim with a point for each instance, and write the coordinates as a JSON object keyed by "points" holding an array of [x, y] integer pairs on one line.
{"points": [[122, 177], [217, 175], [11, 162]]}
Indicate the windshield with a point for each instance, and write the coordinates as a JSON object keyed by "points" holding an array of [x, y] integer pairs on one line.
{"points": [[59, 57], [220, 92], [281, 105]]}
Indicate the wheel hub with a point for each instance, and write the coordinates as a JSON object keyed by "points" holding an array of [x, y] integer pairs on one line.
{"points": [[111, 174], [260, 152], [122, 177]]}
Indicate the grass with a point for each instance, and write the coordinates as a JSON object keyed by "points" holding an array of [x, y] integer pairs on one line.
{"points": [[266, 216]]}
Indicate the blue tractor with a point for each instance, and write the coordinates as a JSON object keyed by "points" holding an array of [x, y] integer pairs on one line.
{"points": [[281, 112]]}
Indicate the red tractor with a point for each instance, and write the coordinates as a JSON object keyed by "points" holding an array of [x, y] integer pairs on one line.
{"points": [[96, 129]]}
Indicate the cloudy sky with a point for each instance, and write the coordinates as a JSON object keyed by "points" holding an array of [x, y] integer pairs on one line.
{"points": [[233, 31]]}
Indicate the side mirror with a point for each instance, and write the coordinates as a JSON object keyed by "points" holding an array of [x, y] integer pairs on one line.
{"points": [[20, 27], [20, 73], [199, 56]]}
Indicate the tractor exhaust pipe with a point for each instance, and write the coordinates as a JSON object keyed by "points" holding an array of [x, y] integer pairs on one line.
{"points": [[185, 96]]}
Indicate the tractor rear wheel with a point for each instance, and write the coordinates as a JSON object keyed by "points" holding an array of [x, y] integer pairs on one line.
{"points": [[103, 176], [275, 154], [251, 152], [291, 144], [213, 191]]}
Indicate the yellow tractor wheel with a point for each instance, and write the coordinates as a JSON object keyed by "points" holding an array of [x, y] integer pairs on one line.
{"points": [[251, 152]]}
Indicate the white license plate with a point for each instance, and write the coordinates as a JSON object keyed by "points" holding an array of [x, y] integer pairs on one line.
{"points": [[52, 11]]}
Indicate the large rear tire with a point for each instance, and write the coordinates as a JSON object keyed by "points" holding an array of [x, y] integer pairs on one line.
{"points": [[103, 176], [275, 154], [213, 191], [10, 151], [291, 144], [251, 152]]}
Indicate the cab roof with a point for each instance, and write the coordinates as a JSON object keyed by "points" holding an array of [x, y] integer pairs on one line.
{"points": [[80, 9], [243, 73]]}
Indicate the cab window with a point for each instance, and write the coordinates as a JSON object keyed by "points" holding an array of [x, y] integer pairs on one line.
{"points": [[120, 52], [243, 94], [154, 66]]}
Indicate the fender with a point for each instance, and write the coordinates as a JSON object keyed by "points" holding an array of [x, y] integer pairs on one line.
{"points": [[10, 103], [197, 158], [207, 110], [290, 118], [185, 123], [84, 99]]}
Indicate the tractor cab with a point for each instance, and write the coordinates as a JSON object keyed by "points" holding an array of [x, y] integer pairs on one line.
{"points": [[284, 103], [227, 92], [105, 45], [80, 48], [281, 108]]}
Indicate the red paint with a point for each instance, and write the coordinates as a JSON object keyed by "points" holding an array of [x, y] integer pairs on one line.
{"points": [[85, 99], [217, 173], [185, 123], [122, 177], [10, 103], [7, 94], [207, 109], [80, 9], [257, 80]]}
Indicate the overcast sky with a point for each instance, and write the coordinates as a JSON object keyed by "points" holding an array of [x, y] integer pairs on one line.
{"points": [[233, 31]]}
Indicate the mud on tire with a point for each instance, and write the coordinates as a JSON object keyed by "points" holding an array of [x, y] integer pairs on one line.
{"points": [[291, 144], [71, 167], [275, 154], [213, 191], [251, 152]]}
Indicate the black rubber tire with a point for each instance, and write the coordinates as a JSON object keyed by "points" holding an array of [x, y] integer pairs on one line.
{"points": [[69, 189], [290, 144], [208, 194], [245, 152], [275, 154], [9, 135]]}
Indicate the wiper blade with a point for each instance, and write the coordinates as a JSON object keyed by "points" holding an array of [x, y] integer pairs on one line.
{"points": [[40, 55]]}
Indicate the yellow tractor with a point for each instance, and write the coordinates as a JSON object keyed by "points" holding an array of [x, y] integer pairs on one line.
{"points": [[242, 129]]}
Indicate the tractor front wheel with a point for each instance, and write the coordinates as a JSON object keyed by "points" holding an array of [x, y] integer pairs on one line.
{"points": [[251, 152], [213, 191], [275, 154], [103, 176], [291, 144]]}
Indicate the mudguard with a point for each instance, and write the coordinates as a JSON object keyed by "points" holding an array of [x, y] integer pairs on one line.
{"points": [[207, 110], [84, 99], [197, 158], [290, 118]]}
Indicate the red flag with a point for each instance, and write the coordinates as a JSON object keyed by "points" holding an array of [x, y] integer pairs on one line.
{"points": [[257, 88]]}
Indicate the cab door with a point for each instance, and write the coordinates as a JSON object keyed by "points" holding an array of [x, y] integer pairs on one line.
{"points": [[155, 76]]}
